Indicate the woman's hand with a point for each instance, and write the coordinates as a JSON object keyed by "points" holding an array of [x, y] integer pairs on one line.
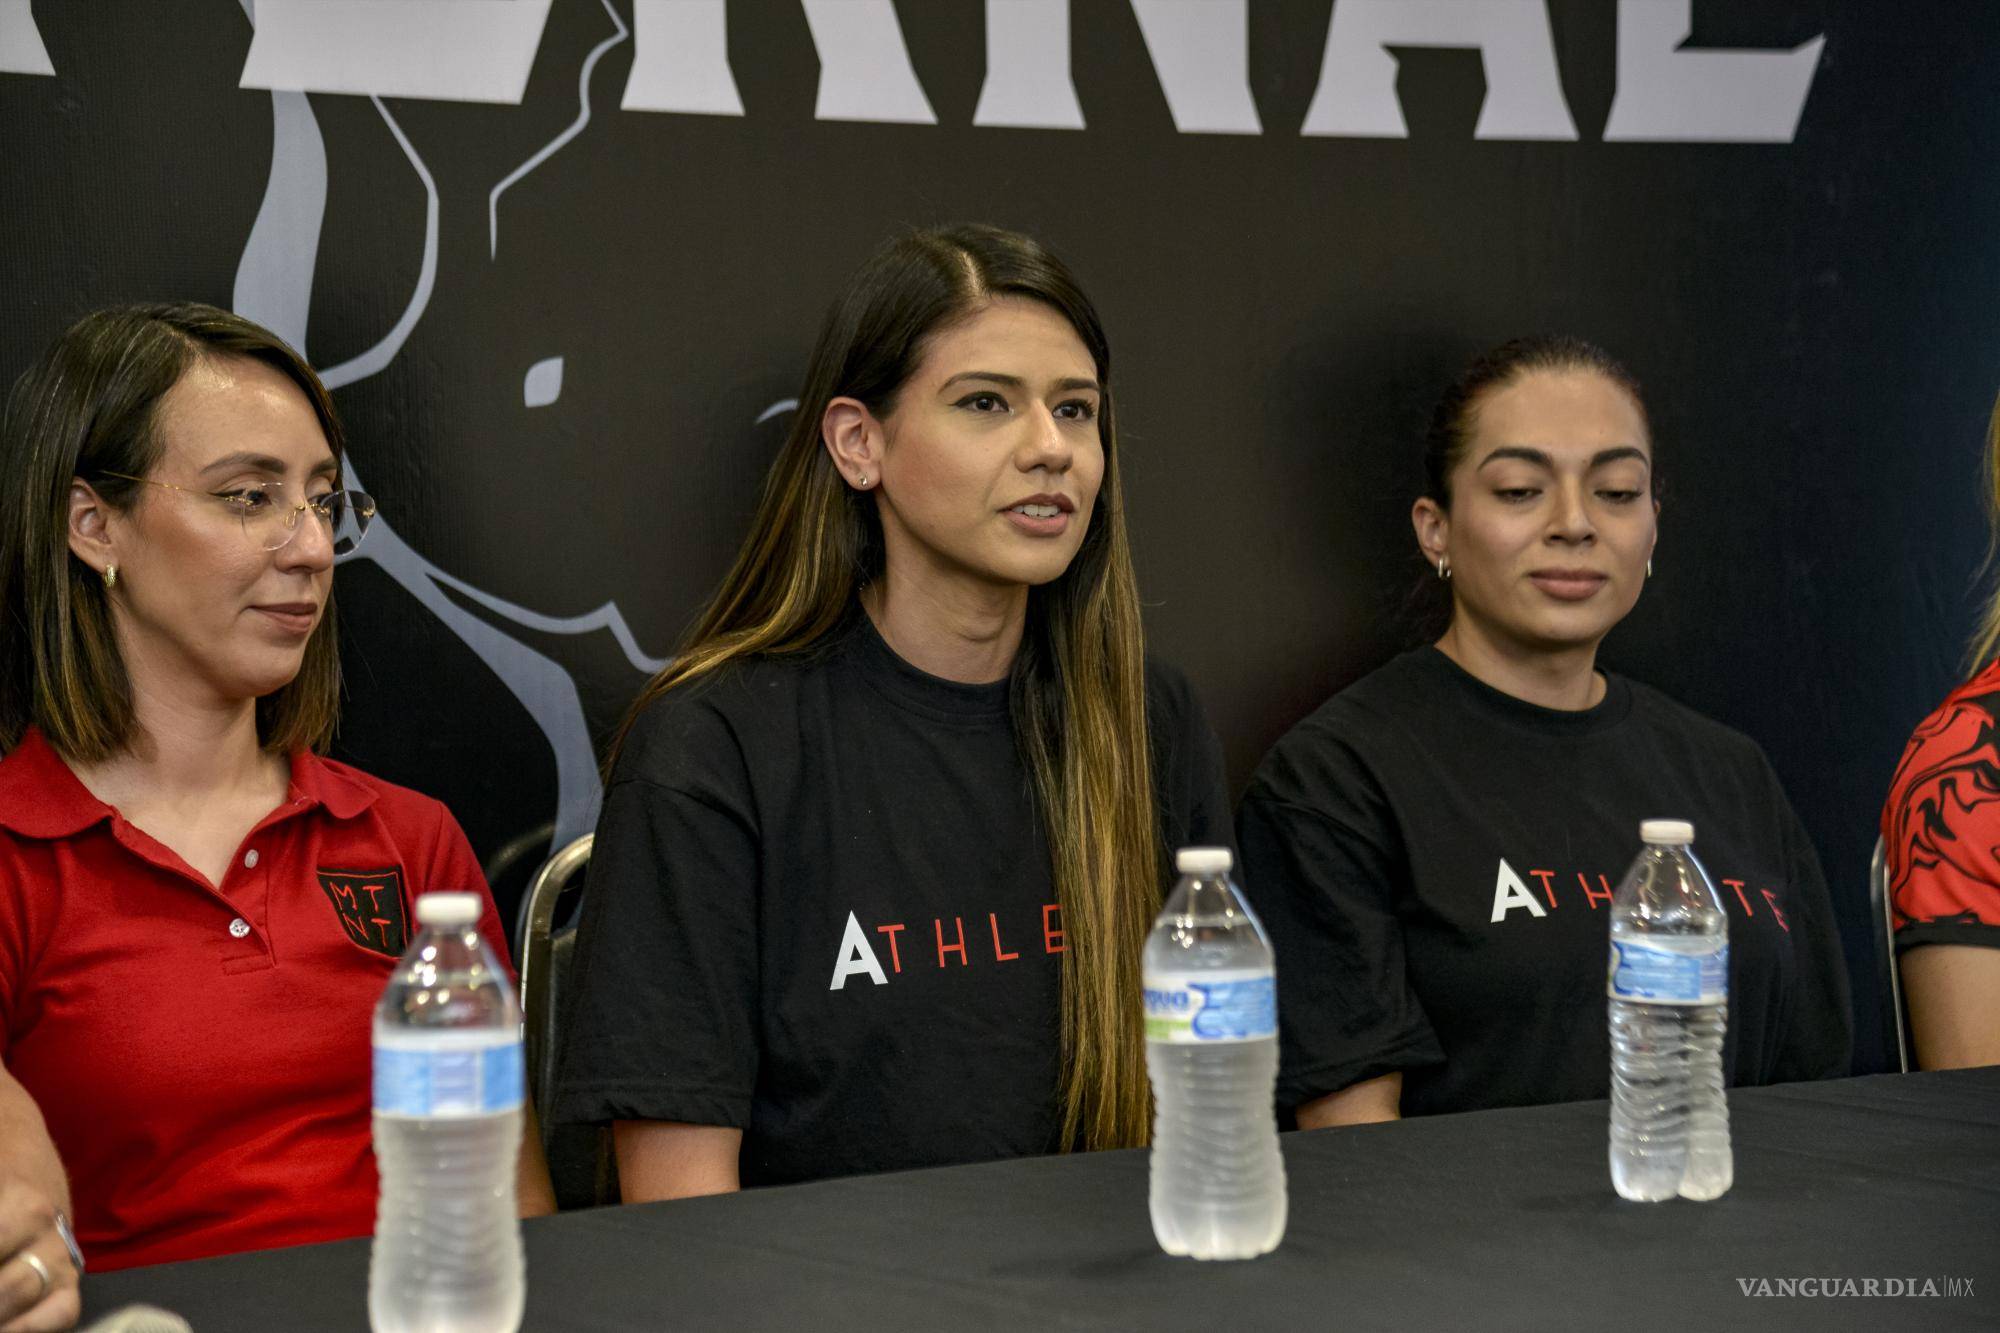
{"points": [[38, 1283]]}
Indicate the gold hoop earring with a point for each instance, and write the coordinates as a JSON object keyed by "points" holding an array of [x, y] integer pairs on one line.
{"points": [[110, 577], [1649, 569], [1444, 570]]}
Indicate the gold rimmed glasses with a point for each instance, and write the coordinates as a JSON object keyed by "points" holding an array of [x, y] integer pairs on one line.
{"points": [[269, 511]]}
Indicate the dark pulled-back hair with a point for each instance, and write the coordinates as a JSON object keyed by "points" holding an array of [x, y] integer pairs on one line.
{"points": [[88, 408], [1077, 689], [1457, 412]]}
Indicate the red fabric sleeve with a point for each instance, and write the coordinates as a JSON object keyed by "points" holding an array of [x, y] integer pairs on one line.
{"points": [[1941, 824]]}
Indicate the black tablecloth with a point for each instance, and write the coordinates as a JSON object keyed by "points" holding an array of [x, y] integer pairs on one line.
{"points": [[1500, 1219]]}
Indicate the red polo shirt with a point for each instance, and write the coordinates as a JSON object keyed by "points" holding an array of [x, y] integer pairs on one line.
{"points": [[201, 1052]]}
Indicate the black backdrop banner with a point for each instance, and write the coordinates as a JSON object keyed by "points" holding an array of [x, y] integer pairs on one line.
{"points": [[562, 261]]}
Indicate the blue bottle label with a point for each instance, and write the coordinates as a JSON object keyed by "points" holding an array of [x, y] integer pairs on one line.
{"points": [[1645, 974], [428, 1074], [1204, 1008]]}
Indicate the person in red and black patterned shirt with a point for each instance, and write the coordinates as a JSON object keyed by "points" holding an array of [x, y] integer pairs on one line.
{"points": [[197, 912], [1941, 838]]}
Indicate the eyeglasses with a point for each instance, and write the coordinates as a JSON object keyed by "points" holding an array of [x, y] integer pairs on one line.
{"points": [[269, 511]]}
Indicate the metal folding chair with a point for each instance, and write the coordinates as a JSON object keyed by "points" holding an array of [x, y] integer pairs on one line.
{"points": [[1885, 921], [580, 1160]]}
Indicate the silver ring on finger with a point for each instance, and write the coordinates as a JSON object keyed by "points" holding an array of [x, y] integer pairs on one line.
{"points": [[34, 1261]]}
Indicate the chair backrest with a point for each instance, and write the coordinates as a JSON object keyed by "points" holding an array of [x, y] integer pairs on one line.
{"points": [[1885, 919], [539, 982], [507, 873], [579, 1156]]}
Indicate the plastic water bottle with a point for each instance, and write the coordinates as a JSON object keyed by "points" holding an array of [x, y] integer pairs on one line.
{"points": [[1218, 1183], [1669, 990], [448, 1091]]}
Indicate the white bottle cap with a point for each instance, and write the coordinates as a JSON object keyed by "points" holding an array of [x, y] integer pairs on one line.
{"points": [[1666, 832], [447, 909], [1203, 860]]}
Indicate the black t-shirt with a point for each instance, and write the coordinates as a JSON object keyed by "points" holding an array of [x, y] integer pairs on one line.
{"points": [[821, 910], [1435, 859]]}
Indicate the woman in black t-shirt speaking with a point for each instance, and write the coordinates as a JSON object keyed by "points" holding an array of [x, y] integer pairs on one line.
{"points": [[882, 845], [1434, 850]]}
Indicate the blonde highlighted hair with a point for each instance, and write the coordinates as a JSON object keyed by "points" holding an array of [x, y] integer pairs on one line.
{"points": [[1077, 689], [1986, 638]]}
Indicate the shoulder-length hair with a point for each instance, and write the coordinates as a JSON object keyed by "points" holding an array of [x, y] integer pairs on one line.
{"points": [[1077, 688], [87, 409]]}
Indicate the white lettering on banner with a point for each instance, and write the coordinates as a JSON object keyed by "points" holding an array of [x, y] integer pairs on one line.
{"points": [[1673, 96], [1028, 83], [482, 50], [1201, 53], [448, 50], [1510, 892], [1356, 97], [864, 67], [680, 59], [856, 956], [21, 48]]}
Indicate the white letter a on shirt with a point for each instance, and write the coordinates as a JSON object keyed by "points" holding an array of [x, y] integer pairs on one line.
{"points": [[1509, 892], [856, 956]]}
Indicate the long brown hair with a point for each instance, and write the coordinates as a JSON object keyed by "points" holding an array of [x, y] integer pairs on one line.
{"points": [[89, 408], [1077, 688], [1987, 636]]}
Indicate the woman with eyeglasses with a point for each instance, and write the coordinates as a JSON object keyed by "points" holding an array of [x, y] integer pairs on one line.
{"points": [[1435, 850], [881, 847], [197, 911]]}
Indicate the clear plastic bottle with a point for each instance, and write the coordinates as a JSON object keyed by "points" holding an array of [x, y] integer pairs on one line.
{"points": [[448, 1093], [1218, 1182], [1669, 993]]}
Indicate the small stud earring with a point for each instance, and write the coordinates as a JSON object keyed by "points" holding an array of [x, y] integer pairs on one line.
{"points": [[110, 577], [862, 481]]}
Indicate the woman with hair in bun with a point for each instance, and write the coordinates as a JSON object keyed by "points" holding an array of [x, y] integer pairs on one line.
{"points": [[881, 847], [1434, 850]]}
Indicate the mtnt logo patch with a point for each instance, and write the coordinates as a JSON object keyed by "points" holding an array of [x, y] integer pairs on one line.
{"points": [[369, 904]]}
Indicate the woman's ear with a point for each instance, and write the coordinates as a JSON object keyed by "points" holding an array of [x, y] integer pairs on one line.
{"points": [[90, 526], [853, 439], [1433, 529]]}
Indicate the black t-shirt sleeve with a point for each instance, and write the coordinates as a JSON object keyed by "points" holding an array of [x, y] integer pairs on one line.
{"points": [[1190, 781], [665, 978], [1820, 1040], [1323, 870]]}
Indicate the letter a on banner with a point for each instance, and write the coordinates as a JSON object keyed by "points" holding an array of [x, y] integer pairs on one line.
{"points": [[856, 956], [1356, 97], [1510, 891], [1666, 95], [444, 50], [21, 48]]}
